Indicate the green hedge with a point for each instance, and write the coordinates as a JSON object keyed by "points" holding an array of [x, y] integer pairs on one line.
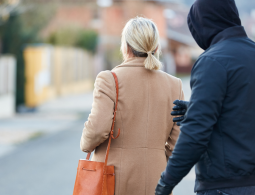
{"points": [[85, 39]]}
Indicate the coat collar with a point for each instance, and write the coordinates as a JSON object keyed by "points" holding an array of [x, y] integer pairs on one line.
{"points": [[237, 31], [133, 62]]}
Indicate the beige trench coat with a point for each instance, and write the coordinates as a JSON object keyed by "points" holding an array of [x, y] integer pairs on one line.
{"points": [[148, 134]]}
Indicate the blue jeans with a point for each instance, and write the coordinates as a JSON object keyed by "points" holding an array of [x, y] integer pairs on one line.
{"points": [[230, 191]]}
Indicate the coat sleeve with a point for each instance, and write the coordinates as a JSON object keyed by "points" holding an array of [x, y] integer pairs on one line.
{"points": [[97, 128], [209, 86], [174, 134]]}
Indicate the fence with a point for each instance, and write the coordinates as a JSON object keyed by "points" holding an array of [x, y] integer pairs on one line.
{"points": [[56, 71], [7, 85]]}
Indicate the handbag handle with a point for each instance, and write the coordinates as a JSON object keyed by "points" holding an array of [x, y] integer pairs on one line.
{"points": [[113, 123]]}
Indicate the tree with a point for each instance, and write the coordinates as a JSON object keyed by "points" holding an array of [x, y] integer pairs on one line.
{"points": [[21, 27]]}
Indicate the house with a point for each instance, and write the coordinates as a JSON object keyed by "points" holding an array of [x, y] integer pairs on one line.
{"points": [[178, 48]]}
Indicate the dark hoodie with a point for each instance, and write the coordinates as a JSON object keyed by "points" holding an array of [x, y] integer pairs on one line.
{"points": [[207, 18], [218, 133]]}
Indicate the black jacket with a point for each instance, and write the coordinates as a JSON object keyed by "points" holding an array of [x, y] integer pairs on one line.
{"points": [[218, 134]]}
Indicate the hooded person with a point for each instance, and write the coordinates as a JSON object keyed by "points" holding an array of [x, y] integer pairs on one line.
{"points": [[218, 130], [210, 21]]}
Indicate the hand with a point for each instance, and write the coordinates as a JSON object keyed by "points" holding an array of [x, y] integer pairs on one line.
{"points": [[179, 110], [162, 188]]}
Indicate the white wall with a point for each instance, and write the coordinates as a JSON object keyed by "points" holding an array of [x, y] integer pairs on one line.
{"points": [[7, 85], [7, 105]]}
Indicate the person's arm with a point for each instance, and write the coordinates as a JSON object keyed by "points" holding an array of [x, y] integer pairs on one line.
{"points": [[174, 134], [209, 85], [97, 128]]}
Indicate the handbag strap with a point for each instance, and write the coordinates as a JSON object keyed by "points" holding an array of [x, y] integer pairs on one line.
{"points": [[113, 123]]}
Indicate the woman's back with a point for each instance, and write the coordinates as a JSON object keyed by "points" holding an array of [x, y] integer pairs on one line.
{"points": [[146, 96], [143, 116]]}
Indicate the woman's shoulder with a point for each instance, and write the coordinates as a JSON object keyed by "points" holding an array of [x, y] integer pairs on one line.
{"points": [[105, 83], [104, 74], [105, 79], [169, 78]]}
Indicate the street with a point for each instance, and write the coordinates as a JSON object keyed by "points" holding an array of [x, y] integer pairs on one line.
{"points": [[46, 165]]}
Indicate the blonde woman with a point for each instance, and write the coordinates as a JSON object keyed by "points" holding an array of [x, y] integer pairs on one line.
{"points": [[146, 97]]}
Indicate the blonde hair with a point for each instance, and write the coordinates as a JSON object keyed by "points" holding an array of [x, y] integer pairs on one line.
{"points": [[141, 36]]}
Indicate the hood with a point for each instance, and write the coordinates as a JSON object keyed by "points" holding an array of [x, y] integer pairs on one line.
{"points": [[207, 18]]}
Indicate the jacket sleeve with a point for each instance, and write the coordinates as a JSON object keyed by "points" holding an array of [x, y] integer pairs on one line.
{"points": [[209, 85], [174, 134], [97, 128]]}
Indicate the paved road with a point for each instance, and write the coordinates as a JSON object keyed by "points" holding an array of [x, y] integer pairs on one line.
{"points": [[44, 166]]}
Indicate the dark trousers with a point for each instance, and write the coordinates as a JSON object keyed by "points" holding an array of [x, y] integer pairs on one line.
{"points": [[230, 191]]}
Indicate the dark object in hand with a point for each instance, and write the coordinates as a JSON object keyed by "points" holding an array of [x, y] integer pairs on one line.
{"points": [[162, 188], [180, 110]]}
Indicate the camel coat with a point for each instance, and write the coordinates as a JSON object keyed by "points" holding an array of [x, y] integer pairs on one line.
{"points": [[147, 135]]}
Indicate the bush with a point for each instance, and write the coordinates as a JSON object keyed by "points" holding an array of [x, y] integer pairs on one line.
{"points": [[88, 40], [85, 39], [64, 37]]}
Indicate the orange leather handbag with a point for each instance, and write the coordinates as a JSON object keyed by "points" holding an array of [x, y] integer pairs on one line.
{"points": [[96, 178]]}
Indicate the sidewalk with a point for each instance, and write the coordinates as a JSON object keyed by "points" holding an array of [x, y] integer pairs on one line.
{"points": [[50, 117]]}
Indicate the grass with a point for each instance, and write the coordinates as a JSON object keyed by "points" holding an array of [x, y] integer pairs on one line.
{"points": [[37, 135]]}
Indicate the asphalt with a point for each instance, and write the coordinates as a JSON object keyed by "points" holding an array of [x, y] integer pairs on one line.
{"points": [[43, 166]]}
